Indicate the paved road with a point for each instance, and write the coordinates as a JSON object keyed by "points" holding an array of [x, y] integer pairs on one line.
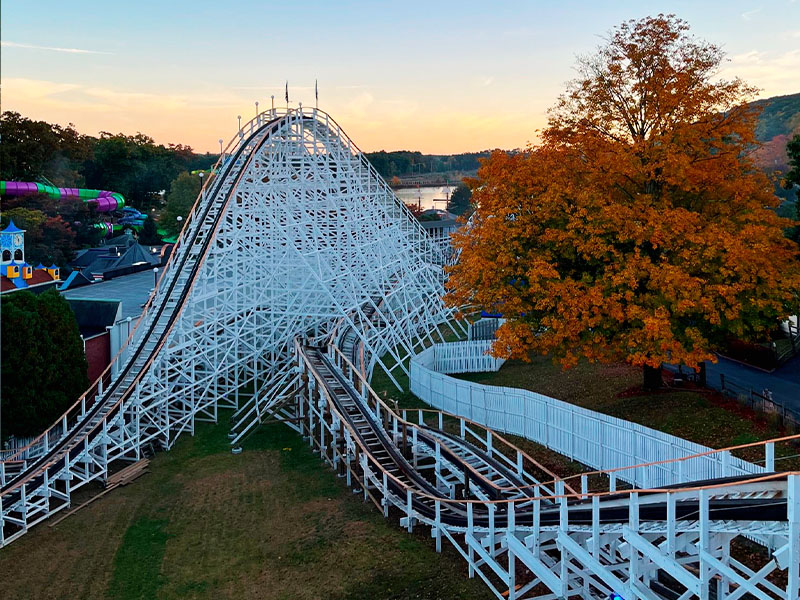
{"points": [[784, 383]]}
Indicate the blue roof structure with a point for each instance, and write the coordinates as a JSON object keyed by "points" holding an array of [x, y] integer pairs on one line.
{"points": [[12, 228]]}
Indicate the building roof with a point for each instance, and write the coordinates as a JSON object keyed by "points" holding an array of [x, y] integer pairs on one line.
{"points": [[11, 228], [446, 224], [136, 254], [39, 279], [101, 260], [94, 315], [86, 257], [40, 276], [75, 279], [133, 290], [120, 241]]}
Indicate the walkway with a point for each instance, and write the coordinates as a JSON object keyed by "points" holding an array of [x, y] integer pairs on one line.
{"points": [[783, 383]]}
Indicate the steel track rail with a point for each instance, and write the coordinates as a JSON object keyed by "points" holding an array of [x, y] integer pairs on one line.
{"points": [[613, 508]]}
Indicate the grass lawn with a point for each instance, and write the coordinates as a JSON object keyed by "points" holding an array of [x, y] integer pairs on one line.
{"points": [[272, 522], [701, 417]]}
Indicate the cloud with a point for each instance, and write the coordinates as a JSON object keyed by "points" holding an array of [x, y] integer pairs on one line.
{"points": [[775, 73], [273, 88], [198, 119], [6, 44], [66, 97], [748, 16], [359, 106]]}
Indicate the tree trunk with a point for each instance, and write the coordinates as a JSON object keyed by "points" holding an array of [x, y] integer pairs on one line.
{"points": [[702, 375], [652, 378]]}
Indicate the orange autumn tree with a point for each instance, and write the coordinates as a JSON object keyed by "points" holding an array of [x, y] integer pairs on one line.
{"points": [[639, 229]]}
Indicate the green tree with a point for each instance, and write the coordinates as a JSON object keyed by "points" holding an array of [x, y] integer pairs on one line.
{"points": [[149, 234], [181, 197], [793, 180], [460, 200], [33, 149], [134, 166], [793, 150], [47, 239], [44, 367]]}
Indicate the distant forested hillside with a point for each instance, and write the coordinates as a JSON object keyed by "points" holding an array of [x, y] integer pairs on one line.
{"points": [[778, 124], [780, 116]]}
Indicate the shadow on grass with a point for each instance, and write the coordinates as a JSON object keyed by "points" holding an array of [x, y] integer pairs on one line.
{"points": [[137, 564]]}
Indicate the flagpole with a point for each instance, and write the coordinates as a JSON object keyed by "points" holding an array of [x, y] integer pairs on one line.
{"points": [[316, 95]]}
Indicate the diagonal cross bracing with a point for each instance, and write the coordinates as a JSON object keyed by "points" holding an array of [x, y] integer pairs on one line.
{"points": [[295, 232]]}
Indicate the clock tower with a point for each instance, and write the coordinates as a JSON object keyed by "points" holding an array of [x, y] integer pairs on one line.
{"points": [[12, 244]]}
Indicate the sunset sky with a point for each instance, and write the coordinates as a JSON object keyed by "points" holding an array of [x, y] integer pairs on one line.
{"points": [[440, 77]]}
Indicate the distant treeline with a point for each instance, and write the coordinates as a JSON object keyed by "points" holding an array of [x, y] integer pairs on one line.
{"points": [[406, 162], [133, 165]]}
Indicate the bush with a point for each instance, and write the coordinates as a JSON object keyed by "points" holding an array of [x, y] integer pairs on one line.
{"points": [[44, 367]]}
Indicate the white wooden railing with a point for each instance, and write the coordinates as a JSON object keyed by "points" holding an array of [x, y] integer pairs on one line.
{"points": [[596, 440]]}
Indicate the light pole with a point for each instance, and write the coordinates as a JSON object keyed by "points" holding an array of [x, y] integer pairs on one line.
{"points": [[220, 147], [239, 117], [273, 102], [256, 109], [155, 277]]}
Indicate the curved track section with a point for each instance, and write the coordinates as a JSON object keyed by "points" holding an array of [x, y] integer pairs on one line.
{"points": [[536, 537]]}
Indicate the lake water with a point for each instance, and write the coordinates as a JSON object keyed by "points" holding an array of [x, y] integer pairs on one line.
{"points": [[426, 196]]}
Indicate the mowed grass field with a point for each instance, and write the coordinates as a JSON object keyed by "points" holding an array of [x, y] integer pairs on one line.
{"points": [[273, 522]]}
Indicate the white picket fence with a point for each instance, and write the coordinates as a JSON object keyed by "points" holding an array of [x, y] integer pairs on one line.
{"points": [[465, 357], [596, 440]]}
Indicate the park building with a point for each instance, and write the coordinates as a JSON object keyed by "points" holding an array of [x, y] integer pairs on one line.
{"points": [[15, 272], [440, 231]]}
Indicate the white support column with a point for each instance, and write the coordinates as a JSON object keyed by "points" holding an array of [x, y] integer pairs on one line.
{"points": [[793, 516]]}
